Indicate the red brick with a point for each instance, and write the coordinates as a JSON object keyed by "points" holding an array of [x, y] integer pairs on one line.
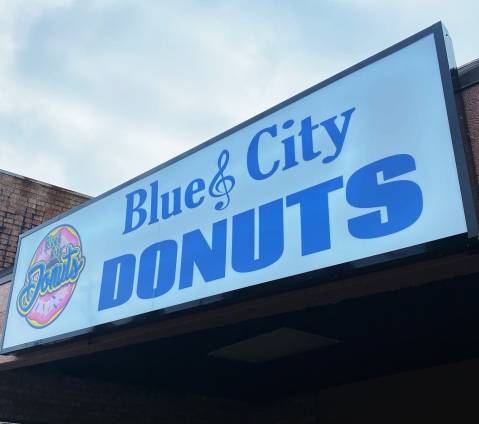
{"points": [[24, 204]]}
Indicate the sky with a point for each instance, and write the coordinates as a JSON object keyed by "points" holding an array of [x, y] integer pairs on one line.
{"points": [[94, 93]]}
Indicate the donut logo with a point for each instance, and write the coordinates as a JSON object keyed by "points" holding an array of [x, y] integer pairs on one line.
{"points": [[51, 277]]}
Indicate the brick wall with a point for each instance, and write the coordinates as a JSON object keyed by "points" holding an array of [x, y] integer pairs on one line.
{"points": [[32, 396], [471, 108], [439, 394], [25, 203]]}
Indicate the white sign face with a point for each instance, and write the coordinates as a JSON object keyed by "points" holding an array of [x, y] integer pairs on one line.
{"points": [[354, 168]]}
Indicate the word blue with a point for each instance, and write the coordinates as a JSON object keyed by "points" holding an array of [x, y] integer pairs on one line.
{"points": [[168, 204]]}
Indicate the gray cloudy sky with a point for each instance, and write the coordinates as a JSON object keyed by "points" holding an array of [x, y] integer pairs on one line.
{"points": [[93, 93]]}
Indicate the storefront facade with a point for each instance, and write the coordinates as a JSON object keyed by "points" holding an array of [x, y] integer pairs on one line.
{"points": [[389, 340]]}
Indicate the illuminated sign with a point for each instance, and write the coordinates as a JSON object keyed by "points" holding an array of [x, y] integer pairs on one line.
{"points": [[364, 167]]}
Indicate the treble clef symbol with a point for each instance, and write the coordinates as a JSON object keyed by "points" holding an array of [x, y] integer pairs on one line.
{"points": [[222, 185]]}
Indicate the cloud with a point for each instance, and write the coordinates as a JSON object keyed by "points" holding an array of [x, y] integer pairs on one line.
{"points": [[96, 92]]}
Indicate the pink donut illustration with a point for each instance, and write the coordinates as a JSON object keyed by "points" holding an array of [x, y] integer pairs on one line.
{"points": [[51, 277]]}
